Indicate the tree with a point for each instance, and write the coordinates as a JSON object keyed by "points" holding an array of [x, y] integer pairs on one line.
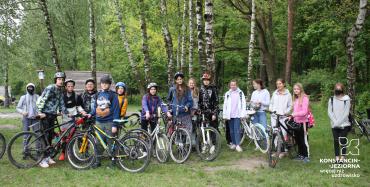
{"points": [[145, 46], [183, 37], [191, 37], [127, 46], [168, 43], [200, 42], [53, 48], [92, 40], [289, 49], [251, 48], [350, 44], [210, 55]]}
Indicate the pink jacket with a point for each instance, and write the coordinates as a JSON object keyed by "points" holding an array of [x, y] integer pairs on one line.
{"points": [[300, 111]]}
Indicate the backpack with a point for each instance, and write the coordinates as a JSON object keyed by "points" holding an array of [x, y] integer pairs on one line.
{"points": [[310, 118], [350, 117]]}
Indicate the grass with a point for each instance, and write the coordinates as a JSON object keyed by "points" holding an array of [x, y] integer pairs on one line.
{"points": [[192, 173]]}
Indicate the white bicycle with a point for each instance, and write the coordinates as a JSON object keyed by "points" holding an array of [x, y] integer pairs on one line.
{"points": [[254, 131]]}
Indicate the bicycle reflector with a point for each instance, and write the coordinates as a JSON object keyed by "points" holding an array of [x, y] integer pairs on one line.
{"points": [[80, 121]]}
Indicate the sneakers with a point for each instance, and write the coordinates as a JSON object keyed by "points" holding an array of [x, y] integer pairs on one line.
{"points": [[143, 155], [232, 146], [61, 157], [212, 149], [306, 160], [239, 149], [298, 158], [282, 154], [50, 161], [44, 163]]}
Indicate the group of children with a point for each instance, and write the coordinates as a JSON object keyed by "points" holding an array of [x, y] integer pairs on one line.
{"points": [[107, 105]]}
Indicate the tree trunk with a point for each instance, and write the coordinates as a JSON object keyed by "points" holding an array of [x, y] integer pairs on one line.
{"points": [[210, 55], [199, 16], [251, 48], [92, 40], [178, 37], [350, 44], [145, 47], [191, 37], [6, 86], [53, 49], [288, 65], [168, 43], [183, 37], [127, 47]]}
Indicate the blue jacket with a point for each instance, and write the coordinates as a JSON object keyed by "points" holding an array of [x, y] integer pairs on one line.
{"points": [[186, 100], [151, 103], [106, 108]]}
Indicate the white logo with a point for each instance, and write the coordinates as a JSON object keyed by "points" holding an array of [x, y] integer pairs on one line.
{"points": [[353, 144]]}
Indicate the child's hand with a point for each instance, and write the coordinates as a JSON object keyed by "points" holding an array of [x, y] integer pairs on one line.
{"points": [[114, 129]]}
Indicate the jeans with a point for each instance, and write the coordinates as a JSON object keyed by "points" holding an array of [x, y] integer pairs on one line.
{"points": [[107, 128], [260, 117], [27, 122], [234, 125]]}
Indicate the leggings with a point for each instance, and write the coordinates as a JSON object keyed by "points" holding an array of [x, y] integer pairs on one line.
{"points": [[339, 136]]}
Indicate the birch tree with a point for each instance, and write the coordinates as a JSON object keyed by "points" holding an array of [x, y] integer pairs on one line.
{"points": [[251, 47], [92, 32], [191, 37], [145, 46], [208, 15]]}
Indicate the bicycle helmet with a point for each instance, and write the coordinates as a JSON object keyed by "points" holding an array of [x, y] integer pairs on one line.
{"points": [[121, 84], [59, 75], [89, 80], [152, 84], [69, 80], [206, 76], [179, 74], [106, 79]]}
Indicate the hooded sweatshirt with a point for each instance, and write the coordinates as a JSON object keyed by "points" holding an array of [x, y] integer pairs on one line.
{"points": [[281, 102], [27, 103], [339, 111], [233, 109]]}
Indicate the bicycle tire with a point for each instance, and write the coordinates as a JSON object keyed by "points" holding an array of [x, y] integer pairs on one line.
{"points": [[203, 150], [261, 139], [16, 145], [184, 145], [275, 149], [78, 160], [127, 153], [2, 145], [243, 134], [142, 134], [162, 148]]}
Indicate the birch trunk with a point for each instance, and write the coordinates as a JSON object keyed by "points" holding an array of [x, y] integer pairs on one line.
{"points": [[251, 49], [200, 42], [145, 47], [288, 65], [191, 37], [208, 15], [92, 40], [183, 37]]}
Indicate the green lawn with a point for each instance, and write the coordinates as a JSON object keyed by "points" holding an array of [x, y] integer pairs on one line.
{"points": [[194, 173]]}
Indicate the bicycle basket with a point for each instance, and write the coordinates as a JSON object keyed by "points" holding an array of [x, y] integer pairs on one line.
{"points": [[292, 125]]}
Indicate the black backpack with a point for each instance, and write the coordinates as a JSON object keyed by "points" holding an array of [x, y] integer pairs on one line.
{"points": [[350, 117]]}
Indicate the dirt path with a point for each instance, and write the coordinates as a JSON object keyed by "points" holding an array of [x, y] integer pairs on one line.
{"points": [[9, 115], [245, 164]]}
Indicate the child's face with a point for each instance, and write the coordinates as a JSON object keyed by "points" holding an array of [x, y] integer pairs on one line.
{"points": [[89, 86], [233, 86], [153, 91], [120, 90], [296, 90], [280, 85], [206, 82], [104, 86], [59, 82], [70, 87], [191, 84], [256, 86], [179, 80]]}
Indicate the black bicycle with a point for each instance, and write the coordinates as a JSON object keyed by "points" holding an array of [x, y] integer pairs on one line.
{"points": [[2, 145], [278, 143], [26, 149], [362, 124]]}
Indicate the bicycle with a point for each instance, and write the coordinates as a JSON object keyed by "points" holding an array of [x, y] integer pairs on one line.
{"points": [[133, 119], [254, 131], [2, 145], [36, 145], [207, 138], [131, 152], [180, 140], [278, 142], [363, 125]]}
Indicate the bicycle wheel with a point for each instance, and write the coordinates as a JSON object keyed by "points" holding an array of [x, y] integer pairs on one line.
{"points": [[243, 135], [2, 145], [261, 139], [361, 130], [81, 151], [162, 148], [26, 150], [134, 119], [142, 134], [274, 150], [180, 145], [133, 154], [208, 143]]}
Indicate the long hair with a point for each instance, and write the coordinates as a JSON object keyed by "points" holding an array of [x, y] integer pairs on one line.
{"points": [[195, 91], [301, 95], [181, 89]]}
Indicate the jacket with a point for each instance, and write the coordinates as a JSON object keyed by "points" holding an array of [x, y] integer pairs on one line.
{"points": [[106, 107], [242, 112], [26, 103], [123, 102], [51, 100], [300, 110], [185, 100], [281, 103], [208, 99], [339, 111], [150, 104]]}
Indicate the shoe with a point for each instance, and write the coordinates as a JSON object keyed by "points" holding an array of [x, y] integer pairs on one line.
{"points": [[282, 154], [212, 149], [44, 164], [51, 161], [239, 149], [96, 164], [298, 158], [144, 154], [112, 164], [306, 160], [61, 157], [232, 146]]}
